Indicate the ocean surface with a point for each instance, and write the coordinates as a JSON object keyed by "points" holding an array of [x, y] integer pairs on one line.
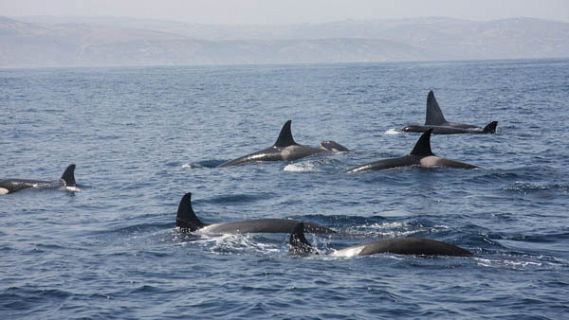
{"points": [[142, 137]]}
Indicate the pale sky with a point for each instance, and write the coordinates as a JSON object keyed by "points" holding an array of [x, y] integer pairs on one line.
{"points": [[288, 11]]}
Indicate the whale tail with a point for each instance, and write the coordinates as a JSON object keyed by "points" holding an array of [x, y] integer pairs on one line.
{"points": [[69, 176], [434, 113], [186, 219], [423, 145], [298, 243], [285, 138], [491, 127]]}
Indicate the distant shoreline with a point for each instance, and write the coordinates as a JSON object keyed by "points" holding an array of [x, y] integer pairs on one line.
{"points": [[115, 42], [292, 65]]}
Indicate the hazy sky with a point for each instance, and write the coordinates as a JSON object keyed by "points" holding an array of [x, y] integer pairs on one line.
{"points": [[288, 11]]}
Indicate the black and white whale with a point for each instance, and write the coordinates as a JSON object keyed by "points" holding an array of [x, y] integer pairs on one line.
{"points": [[436, 120], [187, 221], [421, 156], [410, 246], [66, 182], [286, 149]]}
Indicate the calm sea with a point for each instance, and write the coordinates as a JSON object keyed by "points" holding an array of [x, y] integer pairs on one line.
{"points": [[142, 137]]}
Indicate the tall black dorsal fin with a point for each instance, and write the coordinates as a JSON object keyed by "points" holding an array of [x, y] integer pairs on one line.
{"points": [[434, 114], [298, 242], [285, 137], [69, 176], [186, 219], [423, 145]]}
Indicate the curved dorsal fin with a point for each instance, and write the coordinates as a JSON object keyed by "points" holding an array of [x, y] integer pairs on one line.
{"points": [[285, 137], [186, 219], [423, 145], [491, 127], [298, 242], [434, 114], [69, 176]]}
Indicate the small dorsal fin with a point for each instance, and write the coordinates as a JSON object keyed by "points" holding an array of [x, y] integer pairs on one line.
{"points": [[298, 242], [285, 137], [434, 114], [69, 176], [491, 127], [186, 219], [423, 145]]}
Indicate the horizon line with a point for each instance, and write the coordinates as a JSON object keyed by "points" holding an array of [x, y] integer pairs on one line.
{"points": [[280, 24]]}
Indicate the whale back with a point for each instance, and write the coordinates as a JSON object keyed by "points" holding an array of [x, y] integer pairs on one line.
{"points": [[414, 246], [264, 226]]}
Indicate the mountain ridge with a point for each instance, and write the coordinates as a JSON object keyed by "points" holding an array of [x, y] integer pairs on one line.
{"points": [[74, 42]]}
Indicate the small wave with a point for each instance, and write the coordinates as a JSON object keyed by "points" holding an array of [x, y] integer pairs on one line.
{"points": [[338, 222], [305, 166], [392, 132], [506, 263], [44, 246], [548, 237], [392, 229], [329, 164], [138, 228], [238, 198], [26, 298], [491, 177], [146, 289], [235, 243], [395, 213], [525, 187], [514, 175], [388, 225], [203, 164]]}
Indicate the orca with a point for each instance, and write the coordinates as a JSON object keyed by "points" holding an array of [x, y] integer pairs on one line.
{"points": [[408, 246], [66, 182], [187, 221], [332, 146], [421, 156], [436, 120], [286, 149]]}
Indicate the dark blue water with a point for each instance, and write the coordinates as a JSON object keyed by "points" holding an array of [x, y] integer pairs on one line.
{"points": [[142, 137]]}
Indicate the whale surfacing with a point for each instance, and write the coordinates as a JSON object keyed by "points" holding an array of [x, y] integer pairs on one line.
{"points": [[421, 156], [187, 221], [286, 149], [407, 246], [436, 120], [66, 182]]}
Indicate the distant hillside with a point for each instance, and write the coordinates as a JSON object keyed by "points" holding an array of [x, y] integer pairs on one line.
{"points": [[58, 41]]}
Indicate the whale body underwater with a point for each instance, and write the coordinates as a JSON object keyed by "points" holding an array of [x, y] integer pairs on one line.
{"points": [[286, 149], [420, 156], [407, 246], [435, 120], [187, 221], [66, 182]]}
